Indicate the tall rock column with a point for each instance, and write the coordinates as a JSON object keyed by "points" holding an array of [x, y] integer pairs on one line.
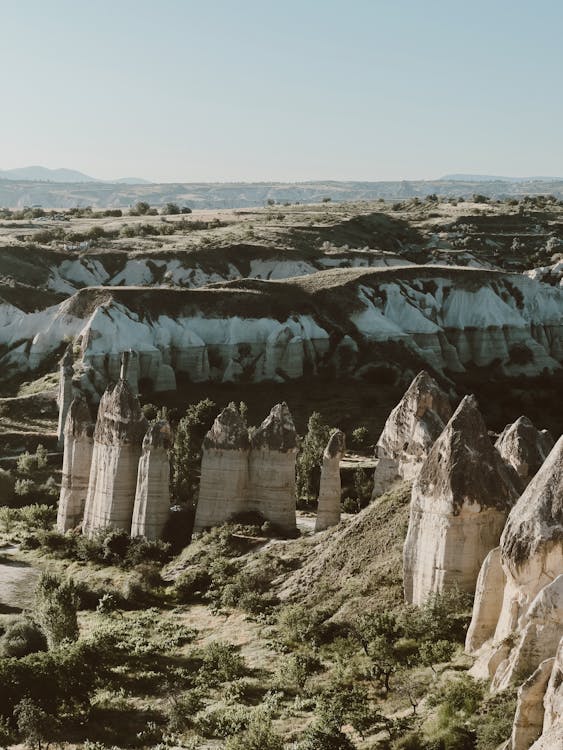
{"points": [[330, 490], [64, 397], [460, 501], [224, 470], [271, 489], [77, 459], [152, 497], [120, 428], [410, 431]]}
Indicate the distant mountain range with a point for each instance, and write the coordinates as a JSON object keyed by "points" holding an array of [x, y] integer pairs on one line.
{"points": [[494, 178], [44, 174], [64, 188]]}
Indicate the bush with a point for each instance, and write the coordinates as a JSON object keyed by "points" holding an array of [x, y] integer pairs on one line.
{"points": [[520, 354], [56, 603], [259, 735], [223, 721], [186, 453], [182, 710], [22, 637], [7, 485], [294, 669], [360, 438], [191, 585], [34, 724], [221, 662]]}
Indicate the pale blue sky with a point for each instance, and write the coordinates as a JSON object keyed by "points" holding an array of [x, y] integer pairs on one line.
{"points": [[201, 90]]}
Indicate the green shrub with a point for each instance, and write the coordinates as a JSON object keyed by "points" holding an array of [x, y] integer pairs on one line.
{"points": [[360, 438], [191, 585], [223, 721], [186, 453], [294, 669], [309, 458], [259, 735], [181, 710], [34, 724], [221, 662], [22, 637], [56, 603]]}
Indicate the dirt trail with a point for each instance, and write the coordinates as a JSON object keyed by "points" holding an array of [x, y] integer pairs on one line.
{"points": [[17, 582]]}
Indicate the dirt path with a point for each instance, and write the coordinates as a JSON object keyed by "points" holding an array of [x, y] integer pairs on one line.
{"points": [[17, 582]]}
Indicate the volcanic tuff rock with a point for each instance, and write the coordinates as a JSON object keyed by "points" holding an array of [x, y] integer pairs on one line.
{"points": [[528, 719], [271, 476], [459, 505], [487, 603], [77, 459], [524, 447], [410, 431], [118, 435], [152, 496], [64, 397], [328, 511], [223, 490], [530, 621]]}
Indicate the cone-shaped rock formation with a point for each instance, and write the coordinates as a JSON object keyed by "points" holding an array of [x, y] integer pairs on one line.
{"points": [[118, 435], [224, 470], [524, 447], [328, 511], [410, 431], [77, 460], [152, 497], [271, 488], [460, 501]]}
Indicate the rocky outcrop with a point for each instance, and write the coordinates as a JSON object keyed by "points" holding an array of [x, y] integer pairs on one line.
{"points": [[223, 490], [328, 510], [524, 447], [77, 460], [528, 719], [271, 477], [65, 394], [460, 501], [410, 431], [530, 621], [118, 435], [152, 496], [553, 699], [487, 603]]}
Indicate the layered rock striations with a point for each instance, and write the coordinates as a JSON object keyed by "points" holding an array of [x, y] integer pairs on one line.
{"points": [[524, 447], [152, 496], [120, 428], [77, 460], [410, 431], [223, 490], [271, 476], [460, 501], [330, 490]]}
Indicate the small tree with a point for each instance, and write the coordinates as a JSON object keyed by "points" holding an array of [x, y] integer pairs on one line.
{"points": [[309, 460], [170, 209], [56, 602], [37, 727], [186, 453]]}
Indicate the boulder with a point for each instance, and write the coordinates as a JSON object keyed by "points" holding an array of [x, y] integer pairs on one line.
{"points": [[460, 501], [524, 447], [152, 496], [410, 431], [330, 490], [223, 490], [120, 428], [77, 460], [271, 487]]}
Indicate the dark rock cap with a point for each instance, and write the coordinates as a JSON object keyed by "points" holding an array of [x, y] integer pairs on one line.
{"points": [[463, 464], [120, 418], [229, 431], [336, 444], [537, 517], [78, 419], [158, 435], [277, 431]]}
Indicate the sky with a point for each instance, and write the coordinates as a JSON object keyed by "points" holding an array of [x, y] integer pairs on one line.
{"points": [[285, 90]]}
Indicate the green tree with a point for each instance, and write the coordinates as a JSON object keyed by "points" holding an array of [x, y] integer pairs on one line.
{"points": [[171, 209], [186, 453], [309, 459], [36, 726], [56, 603]]}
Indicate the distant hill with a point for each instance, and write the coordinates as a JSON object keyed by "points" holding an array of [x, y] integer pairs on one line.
{"points": [[43, 174], [495, 178]]}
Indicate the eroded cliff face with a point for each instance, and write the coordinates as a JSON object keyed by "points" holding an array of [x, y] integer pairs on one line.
{"points": [[410, 431], [250, 330], [524, 447], [223, 490], [120, 428], [460, 501], [77, 460], [330, 489], [152, 496]]}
